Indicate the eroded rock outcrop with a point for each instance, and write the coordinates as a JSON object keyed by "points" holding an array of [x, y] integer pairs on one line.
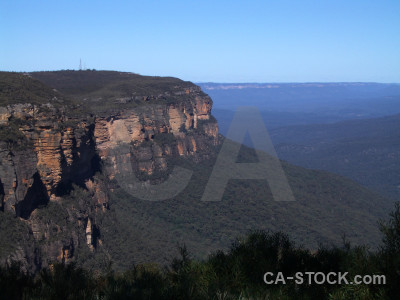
{"points": [[55, 153]]}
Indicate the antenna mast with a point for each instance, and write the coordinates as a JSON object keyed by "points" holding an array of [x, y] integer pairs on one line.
{"points": [[80, 64]]}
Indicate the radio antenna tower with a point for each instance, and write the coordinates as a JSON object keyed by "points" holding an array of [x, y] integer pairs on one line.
{"points": [[80, 64]]}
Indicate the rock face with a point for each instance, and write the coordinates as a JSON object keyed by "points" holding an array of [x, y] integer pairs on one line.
{"points": [[59, 152], [157, 132]]}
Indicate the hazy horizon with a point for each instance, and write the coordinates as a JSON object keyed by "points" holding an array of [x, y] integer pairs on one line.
{"points": [[221, 82]]}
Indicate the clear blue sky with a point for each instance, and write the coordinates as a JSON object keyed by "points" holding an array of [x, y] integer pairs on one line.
{"points": [[222, 41]]}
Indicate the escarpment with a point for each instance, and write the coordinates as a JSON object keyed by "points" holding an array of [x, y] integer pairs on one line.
{"points": [[55, 158]]}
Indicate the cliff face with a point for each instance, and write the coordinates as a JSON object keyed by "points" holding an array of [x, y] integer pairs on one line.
{"points": [[157, 132], [58, 152]]}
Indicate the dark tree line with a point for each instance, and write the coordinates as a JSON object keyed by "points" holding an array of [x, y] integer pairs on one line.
{"points": [[235, 274]]}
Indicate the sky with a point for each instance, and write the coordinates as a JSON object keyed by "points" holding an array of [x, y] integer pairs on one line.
{"points": [[207, 41]]}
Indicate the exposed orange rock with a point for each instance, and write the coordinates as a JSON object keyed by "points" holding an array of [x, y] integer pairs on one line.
{"points": [[67, 145], [176, 119], [48, 150]]}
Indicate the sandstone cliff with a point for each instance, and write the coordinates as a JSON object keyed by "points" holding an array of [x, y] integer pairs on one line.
{"points": [[60, 150]]}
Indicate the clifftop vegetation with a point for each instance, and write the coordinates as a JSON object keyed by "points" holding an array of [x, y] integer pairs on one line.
{"points": [[107, 90], [95, 91], [82, 83], [18, 88]]}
